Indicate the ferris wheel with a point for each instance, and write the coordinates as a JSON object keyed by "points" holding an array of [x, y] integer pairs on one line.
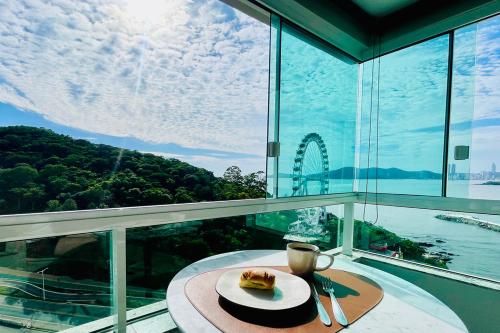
{"points": [[310, 169], [310, 176]]}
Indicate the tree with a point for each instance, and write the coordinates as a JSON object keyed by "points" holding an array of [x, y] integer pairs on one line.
{"points": [[93, 196], [19, 176], [126, 188], [183, 195], [59, 184], [69, 204], [53, 170], [156, 196], [53, 206], [256, 184], [33, 195], [41, 170], [233, 175], [17, 193], [237, 186]]}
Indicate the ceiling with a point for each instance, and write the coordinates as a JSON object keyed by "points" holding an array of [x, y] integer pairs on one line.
{"points": [[381, 8], [358, 27]]}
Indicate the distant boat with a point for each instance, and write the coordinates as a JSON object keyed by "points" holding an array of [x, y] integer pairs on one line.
{"points": [[468, 219], [378, 246], [383, 248]]}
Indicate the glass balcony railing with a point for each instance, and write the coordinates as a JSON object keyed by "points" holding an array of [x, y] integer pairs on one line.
{"points": [[54, 283], [66, 278], [461, 242], [155, 254], [74, 275]]}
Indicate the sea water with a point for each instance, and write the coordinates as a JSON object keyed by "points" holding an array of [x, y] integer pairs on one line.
{"points": [[475, 250]]}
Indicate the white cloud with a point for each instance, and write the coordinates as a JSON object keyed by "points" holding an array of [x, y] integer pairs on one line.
{"points": [[197, 78], [413, 100]]}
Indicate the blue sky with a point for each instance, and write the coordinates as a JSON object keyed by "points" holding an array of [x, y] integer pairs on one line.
{"points": [[179, 78], [413, 83], [12, 116], [189, 79]]}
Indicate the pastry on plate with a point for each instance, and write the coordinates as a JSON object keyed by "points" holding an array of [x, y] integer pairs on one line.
{"points": [[257, 279]]}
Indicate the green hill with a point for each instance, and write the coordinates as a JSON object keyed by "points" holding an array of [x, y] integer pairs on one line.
{"points": [[44, 171]]}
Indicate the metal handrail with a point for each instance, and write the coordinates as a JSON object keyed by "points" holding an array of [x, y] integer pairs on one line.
{"points": [[477, 206], [13, 227], [36, 225]]}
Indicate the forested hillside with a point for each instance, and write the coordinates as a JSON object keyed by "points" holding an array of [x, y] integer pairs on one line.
{"points": [[44, 171]]}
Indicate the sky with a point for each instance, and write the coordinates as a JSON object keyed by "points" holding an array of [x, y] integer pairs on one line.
{"points": [[180, 78], [411, 101], [485, 136], [318, 95], [189, 79]]}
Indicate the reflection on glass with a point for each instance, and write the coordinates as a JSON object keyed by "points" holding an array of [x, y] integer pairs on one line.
{"points": [[462, 109], [156, 254], [273, 116], [306, 225], [402, 121], [457, 241], [317, 117], [475, 113], [51, 284]]}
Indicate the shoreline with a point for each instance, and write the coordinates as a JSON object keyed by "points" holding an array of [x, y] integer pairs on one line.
{"points": [[491, 183], [471, 220]]}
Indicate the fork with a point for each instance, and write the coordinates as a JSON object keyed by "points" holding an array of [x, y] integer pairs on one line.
{"points": [[339, 315]]}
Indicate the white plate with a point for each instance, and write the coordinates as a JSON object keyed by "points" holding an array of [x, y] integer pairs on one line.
{"points": [[289, 291]]}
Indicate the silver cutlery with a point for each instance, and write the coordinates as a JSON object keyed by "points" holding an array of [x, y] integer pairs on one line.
{"points": [[323, 315], [337, 310]]}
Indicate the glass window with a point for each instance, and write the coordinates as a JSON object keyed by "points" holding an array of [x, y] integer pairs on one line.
{"points": [[128, 103], [52, 284], [475, 112], [320, 225], [156, 254], [402, 120], [317, 117], [460, 242], [273, 114]]}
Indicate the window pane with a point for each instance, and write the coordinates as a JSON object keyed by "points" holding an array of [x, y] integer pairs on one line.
{"points": [[306, 225], [156, 254], [456, 241], [402, 121], [475, 111], [126, 103], [273, 116], [52, 284], [317, 119]]}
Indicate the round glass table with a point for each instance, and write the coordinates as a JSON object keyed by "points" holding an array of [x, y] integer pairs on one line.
{"points": [[404, 308]]}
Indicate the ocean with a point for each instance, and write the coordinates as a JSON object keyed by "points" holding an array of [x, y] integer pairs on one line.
{"points": [[475, 250]]}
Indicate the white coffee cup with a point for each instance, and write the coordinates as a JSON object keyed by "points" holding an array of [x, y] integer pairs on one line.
{"points": [[302, 258]]}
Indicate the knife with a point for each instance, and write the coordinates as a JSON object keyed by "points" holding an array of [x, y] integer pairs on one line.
{"points": [[323, 315]]}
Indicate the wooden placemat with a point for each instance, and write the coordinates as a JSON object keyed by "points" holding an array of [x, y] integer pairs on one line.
{"points": [[356, 294]]}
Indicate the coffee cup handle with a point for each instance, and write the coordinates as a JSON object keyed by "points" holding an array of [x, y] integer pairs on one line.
{"points": [[326, 266]]}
